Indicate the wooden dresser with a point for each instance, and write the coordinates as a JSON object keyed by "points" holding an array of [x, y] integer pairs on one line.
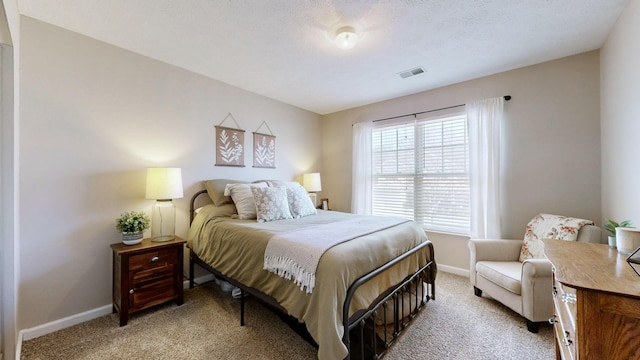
{"points": [[597, 302]]}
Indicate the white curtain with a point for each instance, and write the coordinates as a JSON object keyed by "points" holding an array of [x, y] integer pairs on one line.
{"points": [[362, 169], [484, 119]]}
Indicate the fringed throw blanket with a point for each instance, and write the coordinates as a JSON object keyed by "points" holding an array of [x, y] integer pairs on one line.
{"points": [[546, 226], [295, 254]]}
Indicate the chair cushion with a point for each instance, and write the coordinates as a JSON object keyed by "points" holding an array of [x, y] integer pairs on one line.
{"points": [[505, 274]]}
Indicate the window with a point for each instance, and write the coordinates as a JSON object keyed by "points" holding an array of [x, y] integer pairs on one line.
{"points": [[421, 171]]}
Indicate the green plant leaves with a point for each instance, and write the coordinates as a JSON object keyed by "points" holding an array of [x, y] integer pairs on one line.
{"points": [[611, 225], [132, 221]]}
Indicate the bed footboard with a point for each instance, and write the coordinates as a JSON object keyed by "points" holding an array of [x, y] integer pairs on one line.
{"points": [[407, 298], [364, 323]]}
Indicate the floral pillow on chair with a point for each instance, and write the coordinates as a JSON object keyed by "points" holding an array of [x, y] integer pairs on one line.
{"points": [[547, 226]]}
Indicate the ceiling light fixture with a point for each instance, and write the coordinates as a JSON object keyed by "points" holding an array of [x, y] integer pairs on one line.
{"points": [[346, 37]]}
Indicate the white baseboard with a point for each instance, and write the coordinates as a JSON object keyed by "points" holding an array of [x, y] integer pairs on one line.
{"points": [[19, 346], [37, 331], [453, 270], [34, 332]]}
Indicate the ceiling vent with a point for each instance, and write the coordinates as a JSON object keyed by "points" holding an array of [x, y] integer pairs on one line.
{"points": [[411, 72]]}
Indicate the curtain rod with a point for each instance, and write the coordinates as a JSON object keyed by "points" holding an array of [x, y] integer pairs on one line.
{"points": [[506, 98]]}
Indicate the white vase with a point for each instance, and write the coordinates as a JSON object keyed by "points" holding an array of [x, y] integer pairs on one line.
{"points": [[627, 240], [612, 242], [132, 238]]}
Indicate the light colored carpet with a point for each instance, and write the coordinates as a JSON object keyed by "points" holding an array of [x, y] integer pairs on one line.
{"points": [[457, 325]]}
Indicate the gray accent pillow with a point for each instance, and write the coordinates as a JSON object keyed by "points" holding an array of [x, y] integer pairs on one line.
{"points": [[243, 198], [271, 203], [300, 203]]}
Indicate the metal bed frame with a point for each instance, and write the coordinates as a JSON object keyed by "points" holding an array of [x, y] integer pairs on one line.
{"points": [[418, 288]]}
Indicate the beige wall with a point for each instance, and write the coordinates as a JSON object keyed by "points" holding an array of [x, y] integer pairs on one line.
{"points": [[5, 34], [620, 102], [551, 152], [9, 246], [81, 165], [93, 118]]}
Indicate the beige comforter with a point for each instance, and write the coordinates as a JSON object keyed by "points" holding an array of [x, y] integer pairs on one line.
{"points": [[236, 249]]}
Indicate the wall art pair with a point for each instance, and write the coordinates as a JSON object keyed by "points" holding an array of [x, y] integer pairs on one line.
{"points": [[230, 146]]}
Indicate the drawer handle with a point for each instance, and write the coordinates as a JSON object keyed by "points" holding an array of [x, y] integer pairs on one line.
{"points": [[569, 298], [131, 291], [552, 320], [155, 259]]}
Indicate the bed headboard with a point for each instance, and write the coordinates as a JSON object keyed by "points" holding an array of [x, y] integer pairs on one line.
{"points": [[192, 205]]}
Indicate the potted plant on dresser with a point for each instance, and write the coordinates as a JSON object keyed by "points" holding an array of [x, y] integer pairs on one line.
{"points": [[611, 226], [131, 224]]}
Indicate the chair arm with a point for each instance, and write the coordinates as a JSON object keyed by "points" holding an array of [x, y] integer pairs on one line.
{"points": [[491, 250], [537, 302], [494, 250], [535, 268]]}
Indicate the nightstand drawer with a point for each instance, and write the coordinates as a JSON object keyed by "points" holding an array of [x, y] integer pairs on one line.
{"points": [[151, 293], [153, 259], [158, 272]]}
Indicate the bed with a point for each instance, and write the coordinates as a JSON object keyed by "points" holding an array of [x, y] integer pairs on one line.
{"points": [[372, 285]]}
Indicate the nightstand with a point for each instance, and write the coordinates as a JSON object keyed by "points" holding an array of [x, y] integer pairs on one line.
{"points": [[146, 274]]}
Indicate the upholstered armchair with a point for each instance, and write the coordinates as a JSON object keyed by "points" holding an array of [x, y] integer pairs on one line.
{"points": [[524, 286]]}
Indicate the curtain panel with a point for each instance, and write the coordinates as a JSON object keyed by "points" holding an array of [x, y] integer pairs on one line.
{"points": [[484, 119], [362, 169]]}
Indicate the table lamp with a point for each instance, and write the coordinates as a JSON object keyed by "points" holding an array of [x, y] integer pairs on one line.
{"points": [[312, 183], [163, 185]]}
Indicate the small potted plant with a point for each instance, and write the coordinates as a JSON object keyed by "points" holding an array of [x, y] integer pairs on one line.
{"points": [[131, 224], [611, 226]]}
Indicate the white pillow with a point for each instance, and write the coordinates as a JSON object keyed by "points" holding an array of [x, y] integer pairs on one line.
{"points": [[243, 198], [300, 203], [271, 203]]}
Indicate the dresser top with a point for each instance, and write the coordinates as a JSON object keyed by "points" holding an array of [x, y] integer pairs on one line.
{"points": [[592, 266]]}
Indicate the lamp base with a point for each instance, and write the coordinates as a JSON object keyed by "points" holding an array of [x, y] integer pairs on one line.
{"points": [[163, 220], [314, 199], [163, 238]]}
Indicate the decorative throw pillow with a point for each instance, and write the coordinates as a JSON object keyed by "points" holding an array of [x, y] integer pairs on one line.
{"points": [[271, 203], [216, 189], [300, 203], [547, 226], [226, 210], [274, 183], [243, 198]]}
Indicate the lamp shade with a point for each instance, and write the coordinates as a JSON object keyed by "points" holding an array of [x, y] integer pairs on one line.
{"points": [[164, 183], [311, 182]]}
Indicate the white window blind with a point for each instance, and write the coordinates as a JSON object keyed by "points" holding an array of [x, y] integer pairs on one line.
{"points": [[421, 171]]}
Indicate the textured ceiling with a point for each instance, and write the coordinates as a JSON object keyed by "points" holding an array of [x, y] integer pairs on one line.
{"points": [[281, 48]]}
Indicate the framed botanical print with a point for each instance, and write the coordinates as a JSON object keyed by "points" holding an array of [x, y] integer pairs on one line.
{"points": [[229, 146], [264, 150]]}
